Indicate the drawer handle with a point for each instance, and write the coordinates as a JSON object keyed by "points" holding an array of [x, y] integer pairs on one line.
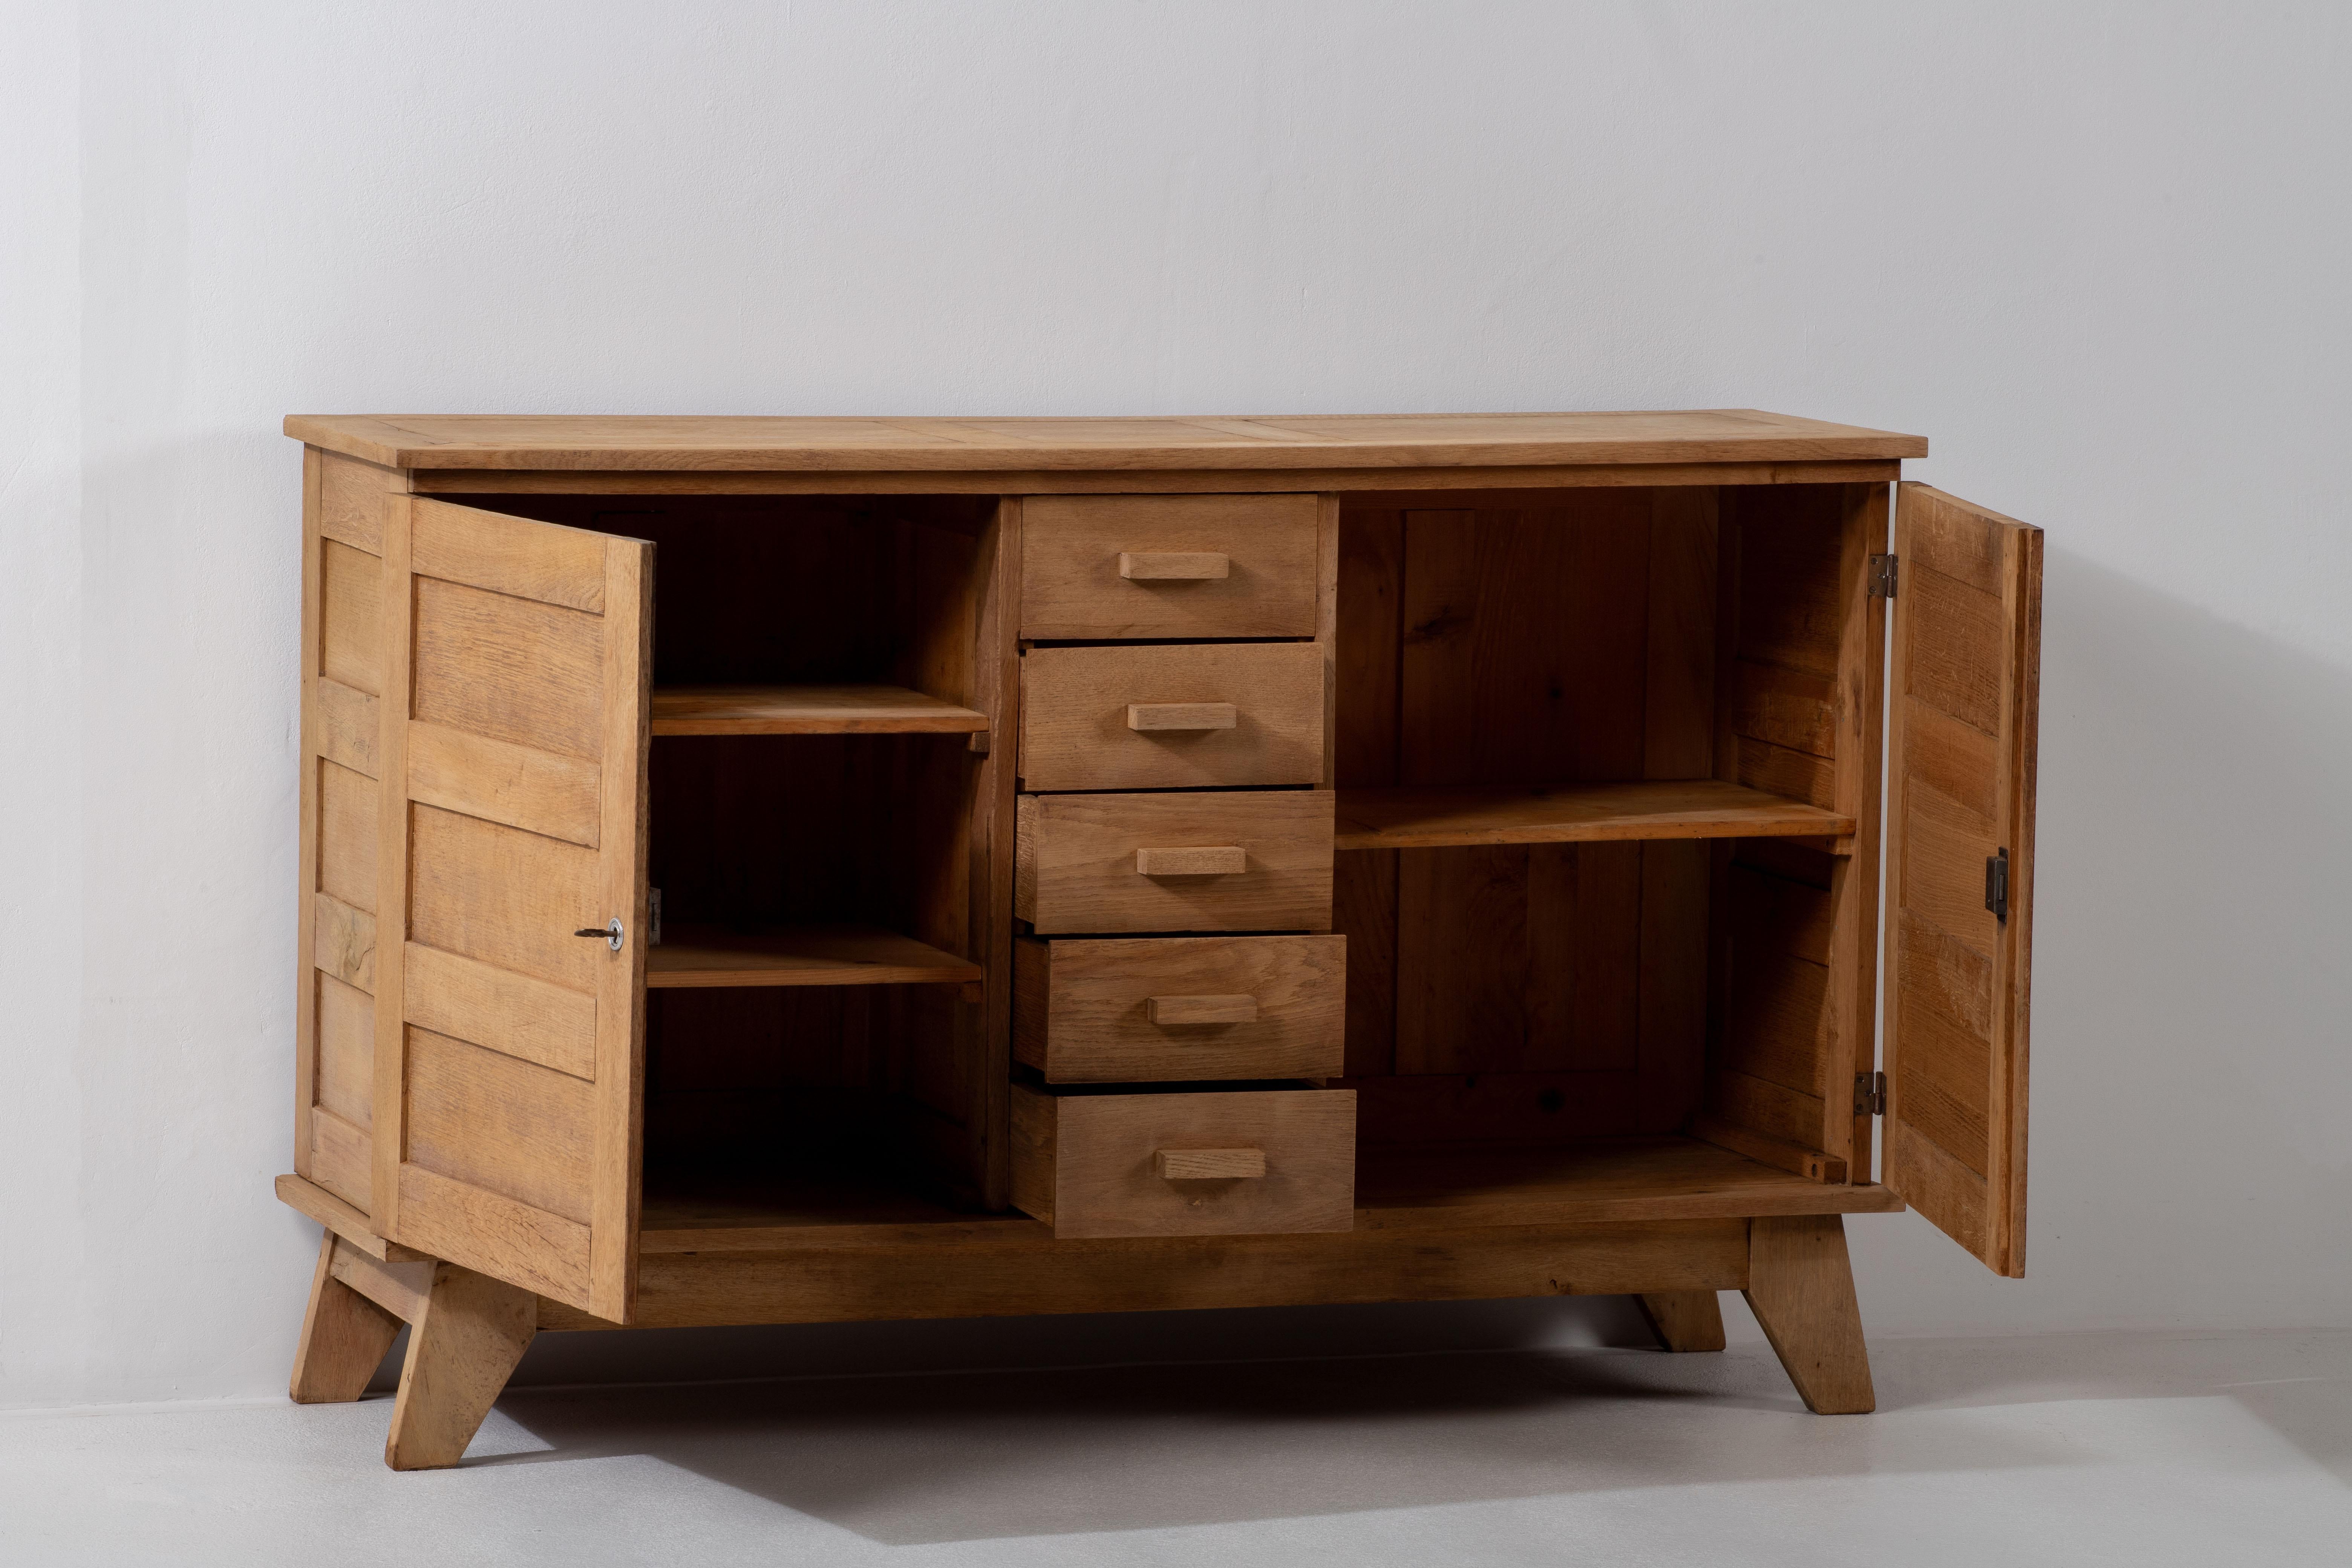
{"points": [[1165, 1010], [1173, 565], [1209, 1164], [1206, 860], [1182, 716]]}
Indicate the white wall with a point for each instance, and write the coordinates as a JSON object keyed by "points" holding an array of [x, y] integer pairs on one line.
{"points": [[2098, 253]]}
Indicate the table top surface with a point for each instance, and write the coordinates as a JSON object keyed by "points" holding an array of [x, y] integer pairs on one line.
{"points": [[506, 441]]}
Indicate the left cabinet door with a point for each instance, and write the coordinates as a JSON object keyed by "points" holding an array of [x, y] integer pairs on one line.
{"points": [[509, 1048]]}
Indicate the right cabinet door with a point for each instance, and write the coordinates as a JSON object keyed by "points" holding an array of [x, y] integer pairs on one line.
{"points": [[1959, 918]]}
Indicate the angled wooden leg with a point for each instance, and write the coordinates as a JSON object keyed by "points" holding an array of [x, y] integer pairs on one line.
{"points": [[1800, 1287], [1684, 1320], [345, 1336], [466, 1338]]}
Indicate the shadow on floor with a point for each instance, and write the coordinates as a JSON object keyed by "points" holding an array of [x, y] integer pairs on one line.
{"points": [[931, 1458]]}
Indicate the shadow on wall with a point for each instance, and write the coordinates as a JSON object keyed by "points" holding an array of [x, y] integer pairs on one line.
{"points": [[2191, 927]]}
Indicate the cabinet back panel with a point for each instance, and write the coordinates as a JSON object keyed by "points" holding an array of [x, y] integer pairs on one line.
{"points": [[1526, 991]]}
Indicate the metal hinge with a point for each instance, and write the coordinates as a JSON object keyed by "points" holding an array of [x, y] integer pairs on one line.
{"points": [[1885, 574], [1870, 1094], [1997, 885]]}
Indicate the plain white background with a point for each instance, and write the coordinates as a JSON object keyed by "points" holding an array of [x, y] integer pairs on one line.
{"points": [[2098, 253]]}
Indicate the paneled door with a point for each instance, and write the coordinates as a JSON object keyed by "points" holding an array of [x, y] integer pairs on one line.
{"points": [[510, 997]]}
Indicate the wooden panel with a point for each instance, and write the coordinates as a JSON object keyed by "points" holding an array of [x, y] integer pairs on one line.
{"points": [[343, 941], [550, 1026], [351, 501], [1426, 818], [1790, 707], [498, 1235], [808, 711], [347, 725], [1094, 1157], [1077, 728], [1085, 1013], [347, 835], [1791, 539], [340, 1157], [348, 1224], [1073, 584], [505, 1126], [1678, 727], [508, 555], [508, 669], [351, 618], [1790, 775], [1018, 1268], [1076, 866], [1595, 1179], [346, 1052], [1366, 672], [505, 897], [1967, 713], [521, 787], [1102, 449]]}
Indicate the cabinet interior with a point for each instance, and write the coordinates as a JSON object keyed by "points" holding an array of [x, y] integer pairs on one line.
{"points": [[811, 788], [1589, 801], [1602, 720]]}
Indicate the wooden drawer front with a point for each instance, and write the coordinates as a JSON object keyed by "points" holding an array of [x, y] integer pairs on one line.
{"points": [[1248, 1163], [1168, 718], [1168, 567], [1172, 1008], [1251, 861]]}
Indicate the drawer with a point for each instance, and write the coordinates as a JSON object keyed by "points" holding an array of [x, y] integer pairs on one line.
{"points": [[1256, 860], [1149, 718], [1242, 1162], [1168, 567], [1171, 1008]]}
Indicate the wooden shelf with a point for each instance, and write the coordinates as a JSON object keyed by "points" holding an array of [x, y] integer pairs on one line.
{"points": [[1593, 1181], [808, 711], [800, 955], [1431, 818], [1588, 1182]]}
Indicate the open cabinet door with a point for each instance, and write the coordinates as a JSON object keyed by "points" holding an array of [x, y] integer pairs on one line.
{"points": [[1959, 921], [509, 1048]]}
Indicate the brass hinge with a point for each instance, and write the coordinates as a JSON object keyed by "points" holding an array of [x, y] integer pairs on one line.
{"points": [[1997, 885], [1870, 1094], [1885, 574]]}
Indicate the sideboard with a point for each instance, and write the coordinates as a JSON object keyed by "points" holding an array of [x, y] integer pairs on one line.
{"points": [[778, 870]]}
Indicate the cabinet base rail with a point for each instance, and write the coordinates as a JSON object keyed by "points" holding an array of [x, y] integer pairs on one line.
{"points": [[469, 1332]]}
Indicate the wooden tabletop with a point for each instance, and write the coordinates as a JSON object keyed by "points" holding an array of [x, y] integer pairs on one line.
{"points": [[1341, 441]]}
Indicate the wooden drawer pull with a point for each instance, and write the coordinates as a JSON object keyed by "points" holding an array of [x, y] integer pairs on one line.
{"points": [[1209, 1164], [1206, 860], [1165, 1010], [1173, 565], [1182, 716]]}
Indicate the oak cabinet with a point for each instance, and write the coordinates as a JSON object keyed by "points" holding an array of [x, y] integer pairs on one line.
{"points": [[786, 870]]}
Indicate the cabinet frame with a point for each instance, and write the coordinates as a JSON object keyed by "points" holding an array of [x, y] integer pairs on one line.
{"points": [[1745, 1216]]}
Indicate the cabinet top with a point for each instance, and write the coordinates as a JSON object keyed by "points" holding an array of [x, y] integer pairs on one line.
{"points": [[1257, 442]]}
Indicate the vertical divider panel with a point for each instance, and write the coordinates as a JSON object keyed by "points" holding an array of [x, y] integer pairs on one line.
{"points": [[391, 1127], [1853, 1003], [994, 835], [306, 998]]}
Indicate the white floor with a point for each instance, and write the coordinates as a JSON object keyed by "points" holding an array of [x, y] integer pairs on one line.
{"points": [[2139, 1450]]}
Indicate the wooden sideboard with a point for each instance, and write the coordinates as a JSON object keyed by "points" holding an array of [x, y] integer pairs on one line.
{"points": [[794, 870]]}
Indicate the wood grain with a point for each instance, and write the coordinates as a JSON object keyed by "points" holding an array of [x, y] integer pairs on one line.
{"points": [[1449, 815], [864, 709], [1077, 730], [1800, 1287], [1168, 567], [706, 443], [1117, 1011], [461, 1350], [1966, 698], [1076, 870], [1093, 1165], [530, 1019], [345, 1338], [1683, 1321]]}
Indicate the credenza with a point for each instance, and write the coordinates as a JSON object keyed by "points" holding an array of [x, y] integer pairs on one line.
{"points": [[779, 871]]}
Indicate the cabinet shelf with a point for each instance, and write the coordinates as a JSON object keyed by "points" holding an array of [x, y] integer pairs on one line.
{"points": [[808, 711], [800, 955], [1431, 818]]}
